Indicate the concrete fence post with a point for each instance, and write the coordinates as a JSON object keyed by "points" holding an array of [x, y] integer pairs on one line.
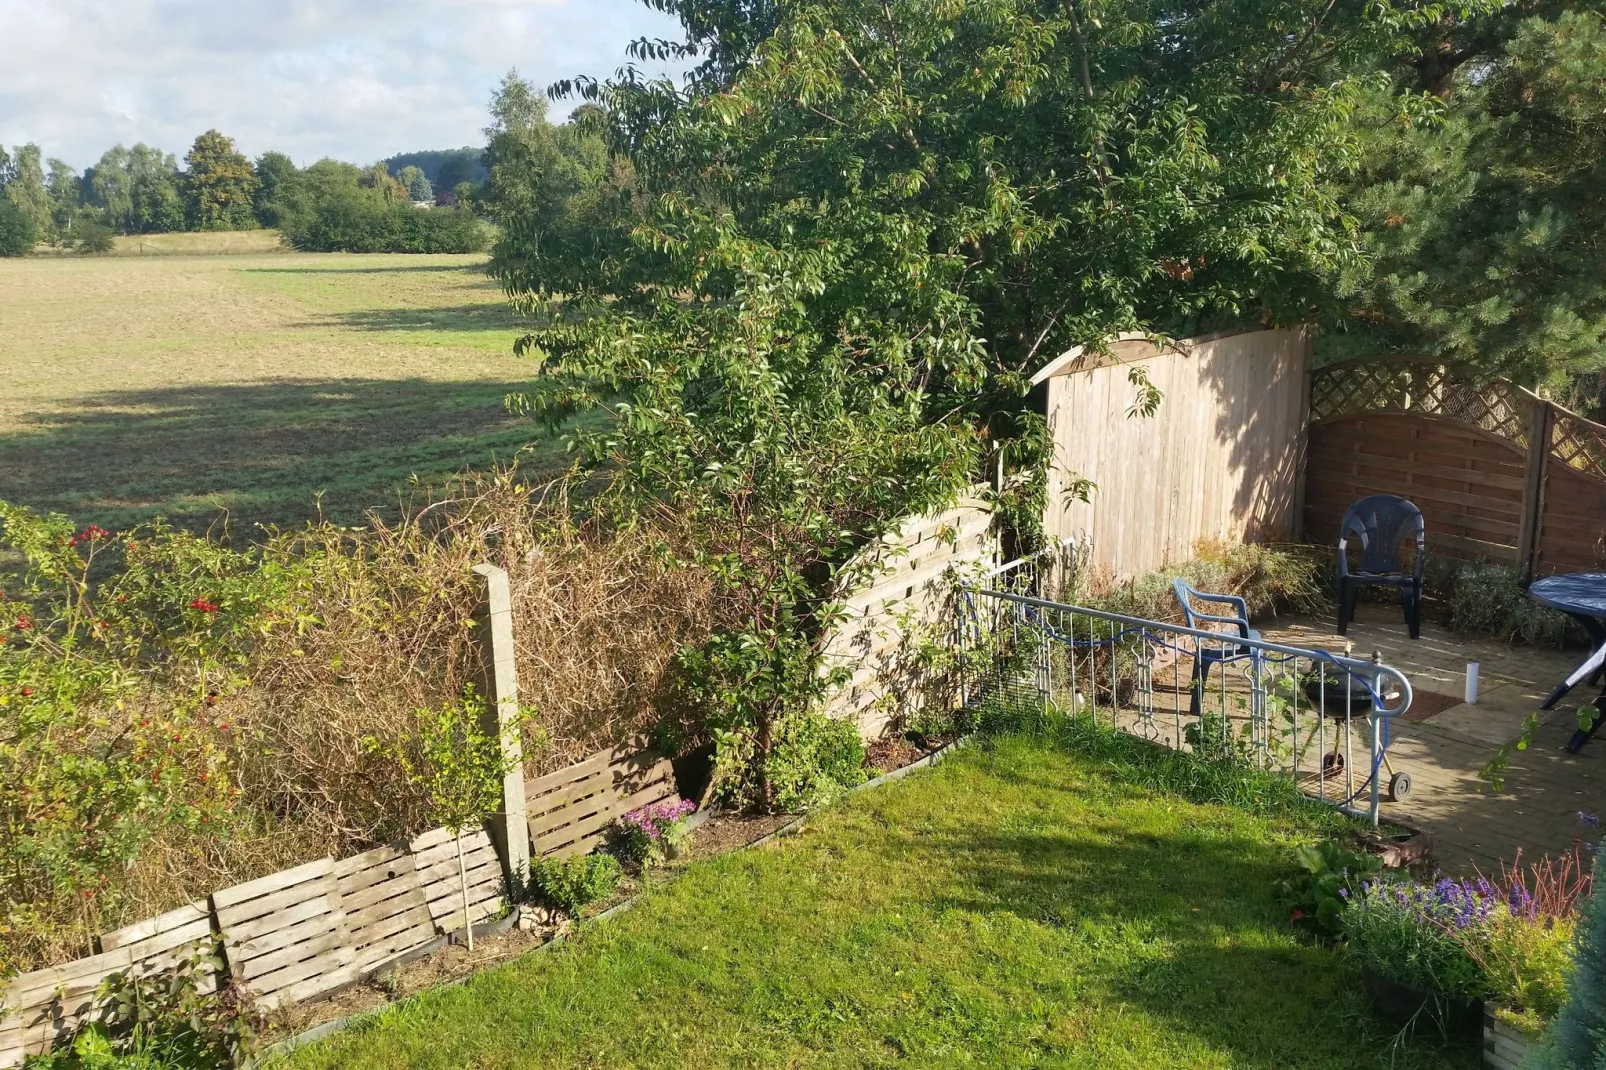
{"points": [[510, 828]]}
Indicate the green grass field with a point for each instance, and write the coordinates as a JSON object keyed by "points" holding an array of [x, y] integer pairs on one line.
{"points": [[1016, 906], [184, 385]]}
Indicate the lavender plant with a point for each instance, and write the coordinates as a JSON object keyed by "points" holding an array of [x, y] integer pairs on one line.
{"points": [[1422, 935]]}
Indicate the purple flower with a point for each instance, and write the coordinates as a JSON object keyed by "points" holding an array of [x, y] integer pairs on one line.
{"points": [[655, 819], [1588, 819]]}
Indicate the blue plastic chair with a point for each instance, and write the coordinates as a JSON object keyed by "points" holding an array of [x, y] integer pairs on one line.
{"points": [[1206, 655], [1376, 525]]}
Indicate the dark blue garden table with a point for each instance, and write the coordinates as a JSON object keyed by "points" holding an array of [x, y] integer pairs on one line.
{"points": [[1582, 596]]}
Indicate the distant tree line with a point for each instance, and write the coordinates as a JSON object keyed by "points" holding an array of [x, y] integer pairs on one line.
{"points": [[431, 201]]}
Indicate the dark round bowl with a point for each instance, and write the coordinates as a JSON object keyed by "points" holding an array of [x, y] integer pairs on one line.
{"points": [[1336, 684]]}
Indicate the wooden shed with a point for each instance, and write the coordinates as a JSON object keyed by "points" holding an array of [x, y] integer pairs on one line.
{"points": [[1221, 458]]}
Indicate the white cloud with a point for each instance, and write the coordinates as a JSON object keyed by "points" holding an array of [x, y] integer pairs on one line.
{"points": [[355, 80]]}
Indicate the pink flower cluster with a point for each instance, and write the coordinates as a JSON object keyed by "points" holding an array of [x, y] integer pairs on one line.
{"points": [[655, 819]]}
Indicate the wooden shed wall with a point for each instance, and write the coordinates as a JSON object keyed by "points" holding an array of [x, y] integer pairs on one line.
{"points": [[1220, 460]]}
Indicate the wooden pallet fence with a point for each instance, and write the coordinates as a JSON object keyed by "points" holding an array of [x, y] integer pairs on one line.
{"points": [[41, 1006], [308, 931], [435, 856], [293, 936], [285, 935], [571, 809], [387, 911]]}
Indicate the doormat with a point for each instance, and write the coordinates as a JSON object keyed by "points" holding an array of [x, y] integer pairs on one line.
{"points": [[1426, 704]]}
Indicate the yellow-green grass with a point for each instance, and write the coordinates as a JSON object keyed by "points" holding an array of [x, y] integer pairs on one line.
{"points": [[1017, 906], [199, 243], [188, 384], [182, 243]]}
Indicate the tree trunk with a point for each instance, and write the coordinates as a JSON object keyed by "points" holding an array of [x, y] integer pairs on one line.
{"points": [[462, 884]]}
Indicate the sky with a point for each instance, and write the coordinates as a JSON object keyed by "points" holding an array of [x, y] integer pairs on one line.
{"points": [[358, 80]]}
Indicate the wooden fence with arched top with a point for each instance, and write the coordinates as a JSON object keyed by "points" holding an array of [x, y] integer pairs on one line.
{"points": [[1498, 472]]}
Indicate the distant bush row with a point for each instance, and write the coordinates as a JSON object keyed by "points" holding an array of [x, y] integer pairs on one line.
{"points": [[358, 222]]}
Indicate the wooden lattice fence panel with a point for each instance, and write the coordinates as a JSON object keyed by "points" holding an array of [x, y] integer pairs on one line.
{"points": [[1578, 443], [1571, 525], [1498, 407], [1498, 472]]}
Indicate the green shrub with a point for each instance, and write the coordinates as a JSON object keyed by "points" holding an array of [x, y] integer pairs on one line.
{"points": [[17, 230], [1331, 874], [357, 222], [178, 715], [91, 237], [161, 1022], [814, 759], [1420, 936], [573, 883], [1527, 961], [1269, 577], [1576, 1038], [1483, 599]]}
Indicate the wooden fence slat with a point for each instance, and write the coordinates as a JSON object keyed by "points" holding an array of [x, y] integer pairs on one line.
{"points": [[308, 940], [597, 763], [162, 932], [244, 932], [288, 878], [579, 793]]}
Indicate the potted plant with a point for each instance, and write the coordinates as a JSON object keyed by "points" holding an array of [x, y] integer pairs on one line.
{"points": [[1472, 954], [1528, 950], [1411, 942]]}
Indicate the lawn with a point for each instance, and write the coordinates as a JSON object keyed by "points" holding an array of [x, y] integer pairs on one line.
{"points": [[1015, 906], [252, 382]]}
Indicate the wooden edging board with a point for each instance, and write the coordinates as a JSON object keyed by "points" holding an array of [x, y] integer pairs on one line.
{"points": [[339, 1025]]}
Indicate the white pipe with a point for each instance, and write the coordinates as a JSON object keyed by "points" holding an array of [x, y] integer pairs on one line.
{"points": [[1472, 682]]}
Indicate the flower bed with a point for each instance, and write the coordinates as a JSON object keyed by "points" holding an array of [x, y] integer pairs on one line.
{"points": [[1442, 950]]}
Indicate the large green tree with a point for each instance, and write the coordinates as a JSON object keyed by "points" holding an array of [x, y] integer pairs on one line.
{"points": [[138, 190], [16, 229], [417, 183], [534, 168], [220, 185], [25, 187], [844, 249], [66, 189], [1482, 206], [276, 174], [156, 200]]}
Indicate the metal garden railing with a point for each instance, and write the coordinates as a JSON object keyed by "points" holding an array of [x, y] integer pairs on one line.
{"points": [[1281, 708]]}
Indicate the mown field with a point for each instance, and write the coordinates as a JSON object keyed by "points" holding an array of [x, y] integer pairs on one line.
{"points": [[260, 383]]}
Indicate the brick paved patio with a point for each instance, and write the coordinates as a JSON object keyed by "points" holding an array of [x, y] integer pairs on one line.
{"points": [[1545, 787]]}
